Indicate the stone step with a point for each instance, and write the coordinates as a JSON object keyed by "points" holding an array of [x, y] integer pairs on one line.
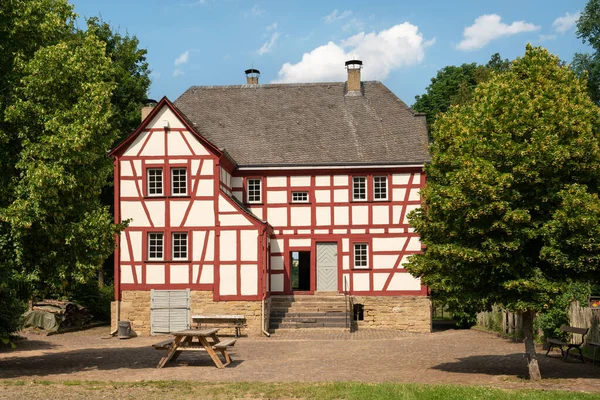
{"points": [[307, 299], [302, 318], [298, 325], [308, 305], [307, 314]]}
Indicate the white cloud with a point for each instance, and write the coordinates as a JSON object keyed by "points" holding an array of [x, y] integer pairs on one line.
{"points": [[255, 11], [271, 27], [335, 15], [268, 46], [177, 72], [399, 46], [566, 22], [489, 27], [183, 58], [544, 38]]}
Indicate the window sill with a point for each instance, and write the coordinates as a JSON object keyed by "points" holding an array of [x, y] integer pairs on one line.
{"points": [[187, 196], [253, 204], [295, 203], [166, 261]]}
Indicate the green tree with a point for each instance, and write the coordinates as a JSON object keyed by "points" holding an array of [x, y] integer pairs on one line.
{"points": [[453, 86], [511, 210], [588, 30], [66, 96]]}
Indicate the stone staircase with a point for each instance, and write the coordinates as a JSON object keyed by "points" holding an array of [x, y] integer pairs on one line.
{"points": [[308, 311]]}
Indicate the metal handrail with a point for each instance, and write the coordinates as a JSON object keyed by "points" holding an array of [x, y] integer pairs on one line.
{"points": [[349, 305]]}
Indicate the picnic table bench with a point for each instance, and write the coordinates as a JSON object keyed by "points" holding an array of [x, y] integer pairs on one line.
{"points": [[183, 341], [560, 344], [222, 321]]}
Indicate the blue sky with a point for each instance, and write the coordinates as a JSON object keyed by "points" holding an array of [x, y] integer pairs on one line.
{"points": [[402, 43]]}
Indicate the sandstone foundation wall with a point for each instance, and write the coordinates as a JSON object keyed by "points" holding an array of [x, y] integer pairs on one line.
{"points": [[407, 313]]}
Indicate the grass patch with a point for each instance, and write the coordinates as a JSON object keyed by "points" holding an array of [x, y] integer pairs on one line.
{"points": [[322, 391]]}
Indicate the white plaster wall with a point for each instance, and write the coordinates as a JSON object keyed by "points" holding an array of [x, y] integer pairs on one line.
{"points": [[249, 245], [249, 278], [155, 274], [384, 261], [323, 181], [277, 263], [414, 244], [228, 246], [210, 249], [125, 168], [340, 180], [379, 281], [155, 145], [165, 114], [156, 209], [277, 245], [299, 242], [136, 246], [277, 197], [276, 181], [135, 211], [205, 187], [138, 271], [137, 167], [346, 262], [323, 216], [340, 215], [207, 274], [388, 243], [178, 209], [277, 216], [301, 216], [198, 238], [340, 195], [257, 211], [225, 205], [228, 280], [207, 167], [345, 245], [177, 161], [404, 281], [126, 274], [124, 248], [396, 214], [400, 179], [404, 261], [176, 145], [234, 220], [134, 148], [179, 273], [277, 283], [360, 282], [202, 213], [381, 215], [300, 181], [156, 161], [195, 144], [416, 179], [398, 194], [414, 195], [360, 215], [322, 196]]}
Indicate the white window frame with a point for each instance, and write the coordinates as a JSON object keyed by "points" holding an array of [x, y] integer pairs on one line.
{"points": [[356, 179], [183, 246], [363, 256], [150, 180], [251, 192], [302, 193], [161, 236], [185, 183], [385, 181]]}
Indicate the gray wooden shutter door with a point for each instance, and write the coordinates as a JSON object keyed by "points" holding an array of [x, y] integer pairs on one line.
{"points": [[327, 268], [169, 310]]}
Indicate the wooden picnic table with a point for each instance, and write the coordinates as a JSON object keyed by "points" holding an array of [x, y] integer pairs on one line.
{"points": [[184, 341]]}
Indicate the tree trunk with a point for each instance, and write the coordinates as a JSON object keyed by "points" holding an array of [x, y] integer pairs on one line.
{"points": [[532, 363], [100, 278]]}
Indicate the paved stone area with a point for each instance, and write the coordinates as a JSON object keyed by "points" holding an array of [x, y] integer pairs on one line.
{"points": [[449, 357]]}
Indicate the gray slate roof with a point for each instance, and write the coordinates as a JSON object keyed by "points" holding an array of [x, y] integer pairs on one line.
{"points": [[307, 124]]}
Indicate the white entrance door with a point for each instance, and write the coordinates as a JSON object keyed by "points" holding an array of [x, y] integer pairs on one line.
{"points": [[327, 268]]}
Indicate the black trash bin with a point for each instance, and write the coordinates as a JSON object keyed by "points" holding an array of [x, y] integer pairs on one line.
{"points": [[124, 329], [359, 312]]}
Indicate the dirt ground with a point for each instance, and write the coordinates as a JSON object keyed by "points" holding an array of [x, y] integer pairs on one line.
{"points": [[449, 357]]}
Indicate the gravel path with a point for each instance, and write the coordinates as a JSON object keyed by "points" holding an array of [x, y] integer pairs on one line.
{"points": [[448, 357]]}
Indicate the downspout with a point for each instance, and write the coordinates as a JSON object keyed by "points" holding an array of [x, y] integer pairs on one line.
{"points": [[264, 285]]}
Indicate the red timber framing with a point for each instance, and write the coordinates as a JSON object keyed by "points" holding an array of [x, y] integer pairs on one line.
{"points": [[169, 214], [379, 221]]}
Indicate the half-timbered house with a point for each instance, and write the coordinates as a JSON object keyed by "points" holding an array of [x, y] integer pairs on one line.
{"points": [[240, 195]]}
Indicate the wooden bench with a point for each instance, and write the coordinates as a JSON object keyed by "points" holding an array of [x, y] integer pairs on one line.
{"points": [[595, 345], [164, 345], [560, 344], [221, 321]]}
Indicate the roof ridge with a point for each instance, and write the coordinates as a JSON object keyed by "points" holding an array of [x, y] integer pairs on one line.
{"points": [[273, 85]]}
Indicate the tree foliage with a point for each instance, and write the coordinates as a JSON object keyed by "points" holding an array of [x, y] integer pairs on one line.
{"points": [[510, 206], [454, 86], [66, 96], [588, 30]]}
